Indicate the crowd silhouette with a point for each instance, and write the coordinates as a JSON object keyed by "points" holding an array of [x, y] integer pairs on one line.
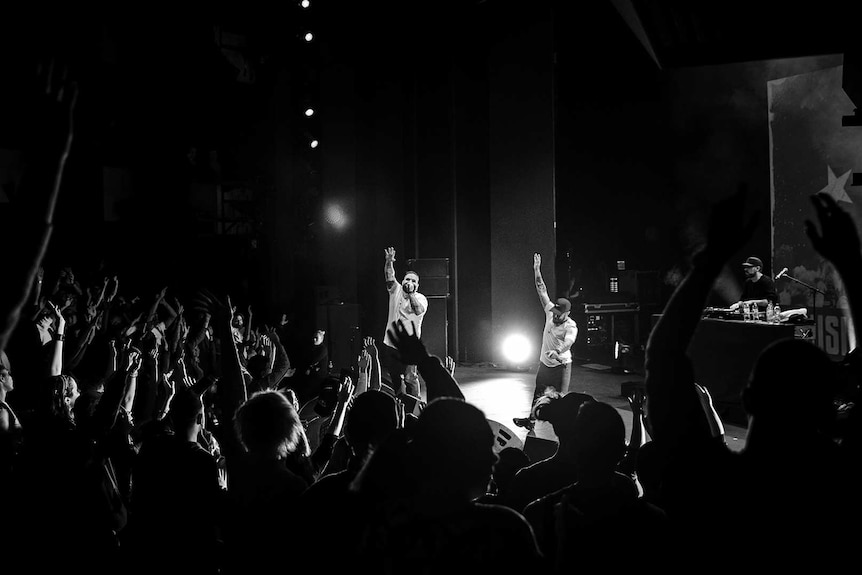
{"points": [[141, 434]]}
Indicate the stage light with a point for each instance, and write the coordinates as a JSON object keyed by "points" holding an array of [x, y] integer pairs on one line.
{"points": [[309, 36], [305, 3], [309, 112], [516, 349], [335, 216], [314, 144]]}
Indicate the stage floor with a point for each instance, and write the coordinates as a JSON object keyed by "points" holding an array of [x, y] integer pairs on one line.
{"points": [[503, 394]]}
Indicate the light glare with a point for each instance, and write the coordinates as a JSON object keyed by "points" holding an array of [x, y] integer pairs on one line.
{"points": [[516, 348]]}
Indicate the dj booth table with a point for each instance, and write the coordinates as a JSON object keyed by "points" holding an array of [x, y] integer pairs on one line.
{"points": [[723, 352]]}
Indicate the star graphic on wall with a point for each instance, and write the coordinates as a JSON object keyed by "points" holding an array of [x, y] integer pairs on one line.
{"points": [[835, 186]]}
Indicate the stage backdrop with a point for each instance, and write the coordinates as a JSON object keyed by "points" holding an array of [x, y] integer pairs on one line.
{"points": [[811, 152]]}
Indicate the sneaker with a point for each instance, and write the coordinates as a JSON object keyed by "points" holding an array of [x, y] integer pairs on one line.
{"points": [[525, 422]]}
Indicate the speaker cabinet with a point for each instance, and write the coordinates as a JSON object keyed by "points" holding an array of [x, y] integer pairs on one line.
{"points": [[435, 326], [433, 275]]}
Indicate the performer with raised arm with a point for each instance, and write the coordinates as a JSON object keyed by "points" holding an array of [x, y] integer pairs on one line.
{"points": [[408, 305], [555, 359]]}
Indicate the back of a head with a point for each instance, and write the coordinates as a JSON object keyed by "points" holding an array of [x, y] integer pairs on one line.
{"points": [[258, 366], [600, 437], [371, 419], [792, 375], [453, 439], [562, 413], [268, 424], [186, 408], [510, 461]]}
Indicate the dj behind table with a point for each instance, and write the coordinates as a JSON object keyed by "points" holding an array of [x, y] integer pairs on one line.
{"points": [[724, 349]]}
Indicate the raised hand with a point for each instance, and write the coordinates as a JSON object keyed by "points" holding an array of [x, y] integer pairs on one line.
{"points": [[364, 361], [636, 401], [116, 286], [59, 320], [370, 347], [390, 254], [345, 390], [134, 360], [410, 347], [537, 260], [703, 396], [449, 364], [838, 239]]}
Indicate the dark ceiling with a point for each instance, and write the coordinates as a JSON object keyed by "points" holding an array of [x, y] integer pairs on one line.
{"points": [[681, 33]]}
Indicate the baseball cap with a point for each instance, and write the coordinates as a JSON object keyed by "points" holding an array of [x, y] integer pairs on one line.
{"points": [[562, 305], [752, 261]]}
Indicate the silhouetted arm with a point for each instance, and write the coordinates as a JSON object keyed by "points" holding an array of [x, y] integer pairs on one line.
{"points": [[30, 229], [439, 382], [674, 411]]}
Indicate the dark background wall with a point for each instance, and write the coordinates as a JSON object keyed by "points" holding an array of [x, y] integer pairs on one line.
{"points": [[467, 131]]}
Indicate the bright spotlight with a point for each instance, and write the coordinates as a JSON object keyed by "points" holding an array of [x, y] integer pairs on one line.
{"points": [[309, 112], [314, 144], [309, 36], [335, 216], [516, 348], [305, 3]]}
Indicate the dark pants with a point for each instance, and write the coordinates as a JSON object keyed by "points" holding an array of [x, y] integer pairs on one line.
{"points": [[557, 378], [403, 378]]}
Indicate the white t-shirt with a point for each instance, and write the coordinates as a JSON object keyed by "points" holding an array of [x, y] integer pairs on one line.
{"points": [[558, 338], [400, 308]]}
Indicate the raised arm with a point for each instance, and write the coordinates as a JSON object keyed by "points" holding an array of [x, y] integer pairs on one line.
{"points": [[59, 337], [30, 230], [540, 283], [439, 381], [389, 267], [375, 380], [673, 410]]}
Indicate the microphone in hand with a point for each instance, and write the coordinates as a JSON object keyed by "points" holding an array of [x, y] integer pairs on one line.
{"points": [[781, 273]]}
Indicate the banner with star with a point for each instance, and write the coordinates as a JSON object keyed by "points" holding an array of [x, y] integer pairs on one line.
{"points": [[811, 152]]}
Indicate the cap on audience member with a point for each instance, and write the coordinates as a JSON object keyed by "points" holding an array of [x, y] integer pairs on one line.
{"points": [[561, 412]]}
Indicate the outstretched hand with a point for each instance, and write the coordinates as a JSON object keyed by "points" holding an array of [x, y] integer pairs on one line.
{"points": [[537, 260], [449, 364], [703, 396], [838, 239], [390, 254], [410, 347], [636, 401], [369, 346]]}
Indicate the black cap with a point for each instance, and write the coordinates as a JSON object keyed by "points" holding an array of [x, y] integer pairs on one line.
{"points": [[563, 305], [752, 261]]}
